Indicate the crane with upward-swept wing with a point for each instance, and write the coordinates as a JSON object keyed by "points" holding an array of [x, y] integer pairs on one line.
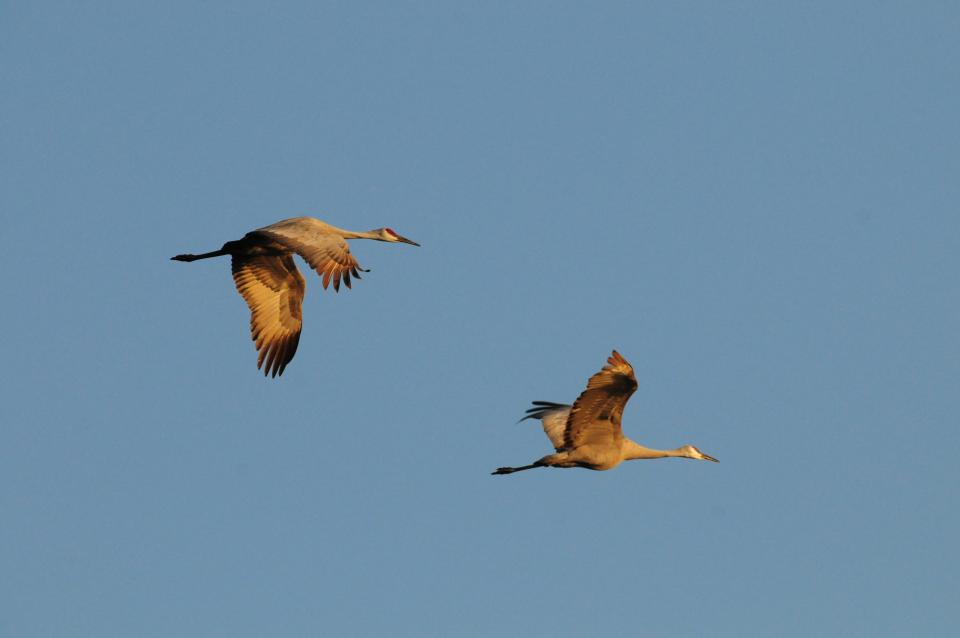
{"points": [[587, 434]]}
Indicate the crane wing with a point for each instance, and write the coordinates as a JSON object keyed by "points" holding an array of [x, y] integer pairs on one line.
{"points": [[553, 417], [273, 289], [319, 244], [595, 416]]}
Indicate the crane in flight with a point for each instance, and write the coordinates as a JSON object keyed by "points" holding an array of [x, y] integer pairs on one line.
{"points": [[269, 281], [587, 434]]}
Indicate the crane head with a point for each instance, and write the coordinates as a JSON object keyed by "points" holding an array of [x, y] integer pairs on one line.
{"points": [[389, 234], [691, 452]]}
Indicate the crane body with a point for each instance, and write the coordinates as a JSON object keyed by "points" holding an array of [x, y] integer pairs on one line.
{"points": [[587, 434], [268, 279]]}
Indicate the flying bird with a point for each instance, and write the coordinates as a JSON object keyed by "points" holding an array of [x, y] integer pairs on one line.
{"points": [[268, 279], [587, 434]]}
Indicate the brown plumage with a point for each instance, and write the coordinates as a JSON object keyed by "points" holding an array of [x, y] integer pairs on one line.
{"points": [[273, 289], [596, 413], [269, 281], [588, 433]]}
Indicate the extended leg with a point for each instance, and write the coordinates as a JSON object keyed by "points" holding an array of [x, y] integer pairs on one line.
{"points": [[511, 470], [560, 459], [215, 253], [229, 248]]}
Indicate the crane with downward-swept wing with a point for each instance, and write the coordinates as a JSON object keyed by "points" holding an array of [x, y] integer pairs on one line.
{"points": [[268, 279]]}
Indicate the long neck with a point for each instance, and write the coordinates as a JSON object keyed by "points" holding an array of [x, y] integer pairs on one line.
{"points": [[351, 234], [634, 450]]}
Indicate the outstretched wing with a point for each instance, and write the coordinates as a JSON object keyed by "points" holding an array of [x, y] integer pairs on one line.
{"points": [[553, 417], [595, 416], [273, 289], [319, 244]]}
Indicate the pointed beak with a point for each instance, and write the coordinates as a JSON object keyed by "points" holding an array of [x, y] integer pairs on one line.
{"points": [[407, 241], [707, 457]]}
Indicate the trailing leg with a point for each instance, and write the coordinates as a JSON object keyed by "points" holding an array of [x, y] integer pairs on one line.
{"points": [[551, 460], [229, 248], [188, 257], [511, 470]]}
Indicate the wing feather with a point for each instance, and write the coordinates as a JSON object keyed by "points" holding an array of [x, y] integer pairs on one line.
{"points": [[595, 415], [321, 245], [273, 289], [553, 417]]}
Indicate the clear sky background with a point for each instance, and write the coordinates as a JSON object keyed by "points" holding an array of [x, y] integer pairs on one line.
{"points": [[756, 203]]}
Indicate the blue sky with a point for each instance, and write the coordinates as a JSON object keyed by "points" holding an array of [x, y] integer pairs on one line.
{"points": [[756, 203]]}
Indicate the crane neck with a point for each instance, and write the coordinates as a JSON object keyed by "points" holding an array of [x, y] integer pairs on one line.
{"points": [[633, 450], [359, 234]]}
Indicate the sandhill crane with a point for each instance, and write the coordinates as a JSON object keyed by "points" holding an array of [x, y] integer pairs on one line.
{"points": [[587, 434], [268, 279]]}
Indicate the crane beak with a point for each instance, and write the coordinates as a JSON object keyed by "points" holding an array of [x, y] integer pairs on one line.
{"points": [[407, 241], [707, 457]]}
